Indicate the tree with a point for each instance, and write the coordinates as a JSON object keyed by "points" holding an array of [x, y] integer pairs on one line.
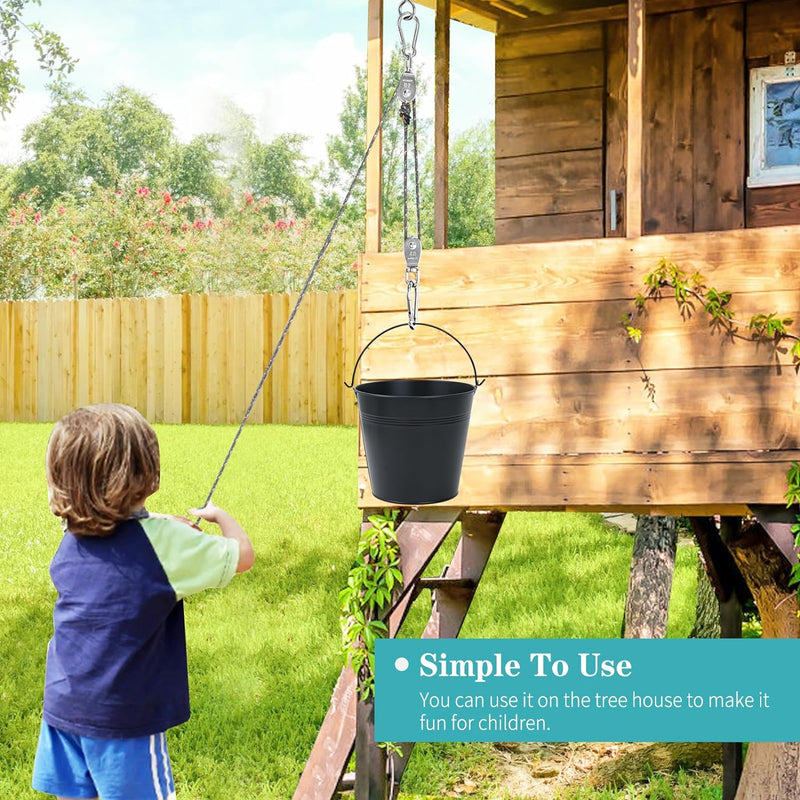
{"points": [[75, 146], [277, 170], [194, 173], [346, 150], [470, 213], [52, 53], [141, 133]]}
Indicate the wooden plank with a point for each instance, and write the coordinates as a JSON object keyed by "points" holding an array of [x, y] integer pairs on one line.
{"points": [[83, 345], [554, 122], [719, 118], [334, 356], [572, 39], [172, 378], [318, 360], [112, 329], [611, 13], [216, 353], [616, 122], [280, 397], [773, 205], [635, 154], [552, 338], [253, 362], [613, 413], [268, 392], [550, 73], [238, 391], [352, 323], [6, 362], [549, 228], [573, 271], [199, 340], [441, 122], [334, 743], [549, 184], [668, 183], [32, 351], [155, 372], [772, 28], [696, 486], [374, 110]]}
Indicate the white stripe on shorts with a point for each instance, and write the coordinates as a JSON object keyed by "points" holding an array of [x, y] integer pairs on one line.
{"points": [[154, 768], [169, 785]]}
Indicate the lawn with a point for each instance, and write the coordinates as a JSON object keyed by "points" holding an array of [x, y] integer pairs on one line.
{"points": [[263, 653]]}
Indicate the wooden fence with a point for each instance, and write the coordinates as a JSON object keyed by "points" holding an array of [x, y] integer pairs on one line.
{"points": [[190, 358]]}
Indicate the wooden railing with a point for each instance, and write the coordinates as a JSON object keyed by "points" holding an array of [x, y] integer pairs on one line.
{"points": [[191, 358]]}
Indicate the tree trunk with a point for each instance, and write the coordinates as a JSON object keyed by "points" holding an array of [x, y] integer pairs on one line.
{"points": [[706, 615], [772, 769], [650, 580]]}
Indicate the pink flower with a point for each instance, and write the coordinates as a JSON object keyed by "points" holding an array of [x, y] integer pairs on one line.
{"points": [[167, 198], [61, 211], [142, 191], [74, 238], [116, 244], [38, 217]]}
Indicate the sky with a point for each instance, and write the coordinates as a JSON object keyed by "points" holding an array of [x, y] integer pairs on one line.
{"points": [[286, 64]]}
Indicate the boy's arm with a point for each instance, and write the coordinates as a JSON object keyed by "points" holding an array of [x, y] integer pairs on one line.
{"points": [[230, 529]]}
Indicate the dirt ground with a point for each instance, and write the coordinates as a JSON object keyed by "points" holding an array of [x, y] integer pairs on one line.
{"points": [[541, 770]]}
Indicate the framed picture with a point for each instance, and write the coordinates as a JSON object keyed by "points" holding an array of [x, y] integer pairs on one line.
{"points": [[774, 126]]}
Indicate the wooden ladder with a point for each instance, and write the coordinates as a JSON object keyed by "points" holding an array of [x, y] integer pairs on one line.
{"points": [[349, 722]]}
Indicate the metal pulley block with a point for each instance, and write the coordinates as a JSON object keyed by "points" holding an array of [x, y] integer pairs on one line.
{"points": [[412, 250], [408, 87]]}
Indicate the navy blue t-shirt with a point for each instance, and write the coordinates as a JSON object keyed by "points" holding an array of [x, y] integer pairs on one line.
{"points": [[116, 665]]}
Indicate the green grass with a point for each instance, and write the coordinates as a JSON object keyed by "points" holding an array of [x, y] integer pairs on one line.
{"points": [[263, 653]]}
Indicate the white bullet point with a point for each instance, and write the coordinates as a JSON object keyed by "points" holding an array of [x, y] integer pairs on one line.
{"points": [[401, 664]]}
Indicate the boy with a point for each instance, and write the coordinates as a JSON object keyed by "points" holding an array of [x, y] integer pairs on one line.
{"points": [[116, 675]]}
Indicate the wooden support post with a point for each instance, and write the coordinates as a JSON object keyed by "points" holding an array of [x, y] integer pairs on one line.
{"points": [[455, 590], [420, 535], [635, 155], [371, 781], [441, 124], [374, 166], [731, 590]]}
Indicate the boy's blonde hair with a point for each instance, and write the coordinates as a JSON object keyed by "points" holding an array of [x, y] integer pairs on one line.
{"points": [[102, 463]]}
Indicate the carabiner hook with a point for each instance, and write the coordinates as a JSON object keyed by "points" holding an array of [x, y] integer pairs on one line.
{"points": [[412, 301], [408, 16]]}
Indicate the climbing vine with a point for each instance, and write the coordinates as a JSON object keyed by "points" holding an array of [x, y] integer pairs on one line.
{"points": [[770, 328], [373, 578], [691, 289]]}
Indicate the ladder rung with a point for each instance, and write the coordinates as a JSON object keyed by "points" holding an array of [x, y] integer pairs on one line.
{"points": [[446, 583]]}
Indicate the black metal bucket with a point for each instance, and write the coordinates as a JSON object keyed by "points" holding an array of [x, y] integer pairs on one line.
{"points": [[415, 433]]}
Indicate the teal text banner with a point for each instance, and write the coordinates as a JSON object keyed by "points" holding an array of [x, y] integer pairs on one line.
{"points": [[586, 690]]}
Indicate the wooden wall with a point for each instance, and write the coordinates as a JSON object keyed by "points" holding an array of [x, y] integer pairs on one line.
{"points": [[549, 134], [564, 419], [195, 358], [772, 28], [561, 122]]}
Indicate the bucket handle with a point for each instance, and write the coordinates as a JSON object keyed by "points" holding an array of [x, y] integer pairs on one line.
{"points": [[419, 324]]}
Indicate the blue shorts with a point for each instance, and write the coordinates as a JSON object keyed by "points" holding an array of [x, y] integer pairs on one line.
{"points": [[74, 766]]}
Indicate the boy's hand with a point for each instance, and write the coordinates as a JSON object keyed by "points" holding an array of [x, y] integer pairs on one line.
{"points": [[230, 529], [210, 513]]}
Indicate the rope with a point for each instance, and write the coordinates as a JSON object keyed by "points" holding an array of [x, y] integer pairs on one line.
{"points": [[303, 292]]}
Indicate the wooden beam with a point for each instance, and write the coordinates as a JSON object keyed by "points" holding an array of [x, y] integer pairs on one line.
{"points": [[567, 19], [634, 162], [441, 124], [374, 167]]}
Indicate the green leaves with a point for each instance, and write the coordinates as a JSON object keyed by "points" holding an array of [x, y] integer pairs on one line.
{"points": [[363, 602], [768, 326]]}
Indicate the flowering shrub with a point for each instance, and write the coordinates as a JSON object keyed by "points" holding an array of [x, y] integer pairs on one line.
{"points": [[139, 241]]}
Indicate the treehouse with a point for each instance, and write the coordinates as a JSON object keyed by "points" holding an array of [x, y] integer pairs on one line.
{"points": [[625, 134]]}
